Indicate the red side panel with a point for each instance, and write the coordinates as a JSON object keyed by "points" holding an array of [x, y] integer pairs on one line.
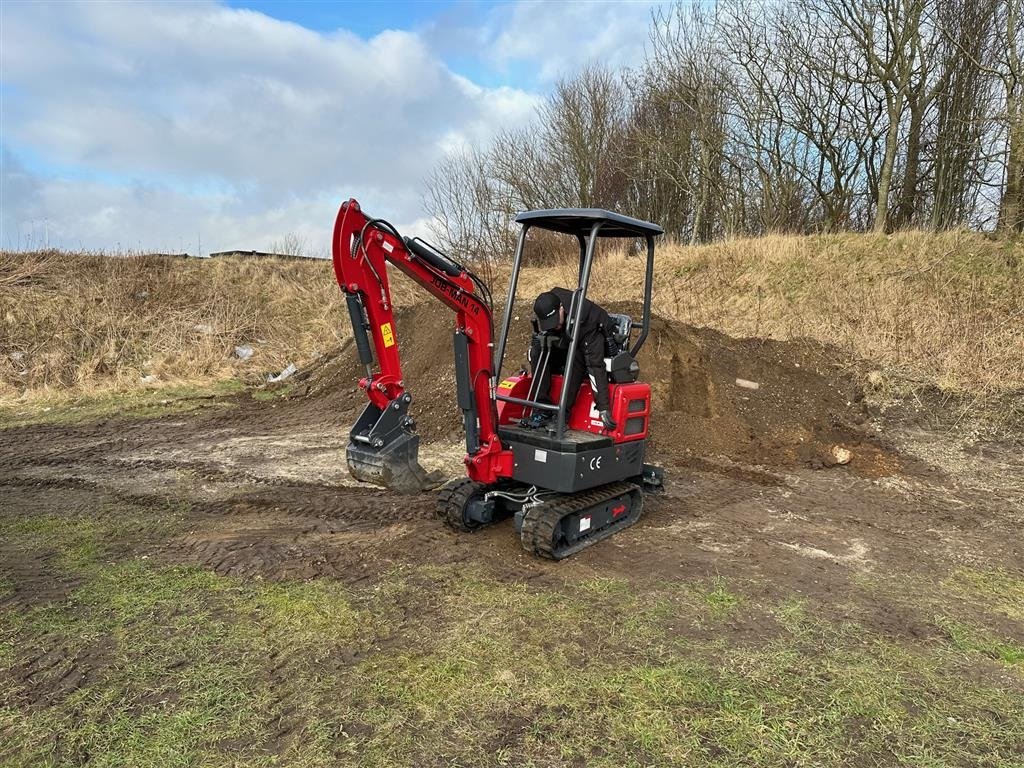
{"points": [[631, 410], [512, 386], [631, 407]]}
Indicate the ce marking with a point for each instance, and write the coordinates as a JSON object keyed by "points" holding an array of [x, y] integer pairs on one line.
{"points": [[595, 463]]}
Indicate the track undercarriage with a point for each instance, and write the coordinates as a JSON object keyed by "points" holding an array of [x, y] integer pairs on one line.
{"points": [[551, 525]]}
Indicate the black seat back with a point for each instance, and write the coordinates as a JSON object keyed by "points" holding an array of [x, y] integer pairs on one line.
{"points": [[618, 334]]}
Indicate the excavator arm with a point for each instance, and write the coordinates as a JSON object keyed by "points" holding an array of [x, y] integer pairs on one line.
{"points": [[383, 445]]}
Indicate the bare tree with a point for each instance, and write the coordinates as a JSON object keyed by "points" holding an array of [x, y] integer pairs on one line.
{"points": [[752, 116], [1010, 34], [469, 209], [684, 86], [886, 36], [292, 244], [962, 109], [569, 155]]}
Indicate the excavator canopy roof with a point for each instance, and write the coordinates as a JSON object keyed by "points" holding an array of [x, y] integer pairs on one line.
{"points": [[579, 221]]}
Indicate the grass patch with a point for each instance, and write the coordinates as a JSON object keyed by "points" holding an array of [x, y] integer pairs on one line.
{"points": [[966, 638], [138, 404], [1000, 590], [193, 669], [269, 393], [434, 667], [972, 608], [549, 680], [205, 670], [81, 542], [720, 600], [121, 319]]}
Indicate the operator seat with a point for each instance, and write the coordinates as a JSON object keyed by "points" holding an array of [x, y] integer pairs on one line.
{"points": [[622, 367]]}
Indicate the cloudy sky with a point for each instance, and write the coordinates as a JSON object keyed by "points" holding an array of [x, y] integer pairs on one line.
{"points": [[160, 126]]}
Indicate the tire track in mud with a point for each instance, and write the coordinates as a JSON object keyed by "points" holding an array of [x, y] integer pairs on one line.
{"points": [[308, 532], [47, 672], [270, 526], [249, 514], [35, 578]]}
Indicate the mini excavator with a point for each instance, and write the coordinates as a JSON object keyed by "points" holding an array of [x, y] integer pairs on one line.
{"points": [[569, 484]]}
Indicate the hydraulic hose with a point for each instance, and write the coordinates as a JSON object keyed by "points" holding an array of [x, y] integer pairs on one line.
{"points": [[355, 312]]}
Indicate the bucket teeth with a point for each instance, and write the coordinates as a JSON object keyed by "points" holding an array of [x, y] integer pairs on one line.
{"points": [[395, 466]]}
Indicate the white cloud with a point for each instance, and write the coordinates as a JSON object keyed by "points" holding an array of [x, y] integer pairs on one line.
{"points": [[190, 118], [559, 38]]}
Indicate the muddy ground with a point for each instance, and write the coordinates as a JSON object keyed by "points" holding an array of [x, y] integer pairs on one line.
{"points": [[268, 494], [745, 495], [752, 498]]}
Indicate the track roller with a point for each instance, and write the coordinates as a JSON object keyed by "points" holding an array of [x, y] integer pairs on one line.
{"points": [[564, 525], [456, 503]]}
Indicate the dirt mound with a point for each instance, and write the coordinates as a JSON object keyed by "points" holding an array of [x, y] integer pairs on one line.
{"points": [[424, 331], [754, 400], [805, 403]]}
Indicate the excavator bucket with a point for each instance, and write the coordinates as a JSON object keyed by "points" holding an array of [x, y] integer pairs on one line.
{"points": [[384, 450], [395, 467]]}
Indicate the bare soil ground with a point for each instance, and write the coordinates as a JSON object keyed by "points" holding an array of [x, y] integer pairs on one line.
{"points": [[268, 495], [756, 513]]}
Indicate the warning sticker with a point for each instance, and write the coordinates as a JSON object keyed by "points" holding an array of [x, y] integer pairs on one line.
{"points": [[584, 524], [387, 334], [507, 384]]}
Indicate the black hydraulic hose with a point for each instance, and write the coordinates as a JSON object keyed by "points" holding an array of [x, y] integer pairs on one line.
{"points": [[357, 244], [355, 311], [432, 256]]}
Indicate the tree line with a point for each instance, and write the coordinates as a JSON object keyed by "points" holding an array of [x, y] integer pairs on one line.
{"points": [[754, 117]]}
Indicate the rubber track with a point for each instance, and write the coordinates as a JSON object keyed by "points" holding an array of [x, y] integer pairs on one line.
{"points": [[452, 501], [540, 522]]}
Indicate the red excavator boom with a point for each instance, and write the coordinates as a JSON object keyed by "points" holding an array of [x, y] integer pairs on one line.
{"points": [[384, 446]]}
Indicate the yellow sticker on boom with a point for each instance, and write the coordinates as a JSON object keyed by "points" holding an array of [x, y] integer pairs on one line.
{"points": [[388, 335], [507, 384]]}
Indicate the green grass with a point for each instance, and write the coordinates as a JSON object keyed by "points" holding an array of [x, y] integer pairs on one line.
{"points": [[81, 541], [560, 673], [973, 640], [138, 403], [195, 667], [271, 392], [431, 666], [999, 590], [720, 600], [971, 608]]}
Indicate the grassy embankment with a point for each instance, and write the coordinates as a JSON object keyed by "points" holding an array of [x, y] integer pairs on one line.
{"points": [[929, 310]]}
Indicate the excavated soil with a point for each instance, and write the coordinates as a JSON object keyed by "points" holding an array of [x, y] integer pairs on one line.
{"points": [[808, 400]]}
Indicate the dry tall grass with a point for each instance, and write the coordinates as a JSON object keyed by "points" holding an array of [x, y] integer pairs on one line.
{"points": [[944, 309], [83, 321]]}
